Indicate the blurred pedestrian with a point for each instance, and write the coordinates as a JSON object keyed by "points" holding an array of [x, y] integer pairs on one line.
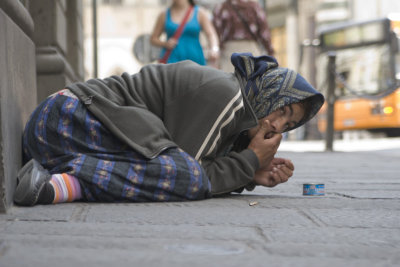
{"points": [[184, 43], [171, 132], [241, 26]]}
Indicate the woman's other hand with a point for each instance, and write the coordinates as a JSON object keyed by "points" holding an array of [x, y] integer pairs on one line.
{"points": [[279, 171]]}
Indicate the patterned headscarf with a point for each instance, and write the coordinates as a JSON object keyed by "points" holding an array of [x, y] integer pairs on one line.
{"points": [[269, 87]]}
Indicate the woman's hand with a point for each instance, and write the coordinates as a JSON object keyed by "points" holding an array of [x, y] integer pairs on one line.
{"points": [[170, 44], [279, 171], [264, 144]]}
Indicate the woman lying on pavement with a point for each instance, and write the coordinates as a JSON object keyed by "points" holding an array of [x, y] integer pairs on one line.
{"points": [[172, 132]]}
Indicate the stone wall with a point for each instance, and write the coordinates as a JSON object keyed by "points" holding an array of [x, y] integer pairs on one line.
{"points": [[17, 90], [41, 50]]}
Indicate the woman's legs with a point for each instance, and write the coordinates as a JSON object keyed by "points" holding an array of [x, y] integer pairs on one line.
{"points": [[172, 176], [67, 139]]}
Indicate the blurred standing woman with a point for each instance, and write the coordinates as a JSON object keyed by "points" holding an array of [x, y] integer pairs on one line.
{"points": [[241, 26], [187, 46]]}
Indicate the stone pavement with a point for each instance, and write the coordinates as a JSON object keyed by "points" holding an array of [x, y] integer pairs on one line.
{"points": [[357, 223]]}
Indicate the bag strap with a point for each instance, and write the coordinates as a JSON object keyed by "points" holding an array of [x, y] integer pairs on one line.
{"points": [[177, 34], [246, 25]]}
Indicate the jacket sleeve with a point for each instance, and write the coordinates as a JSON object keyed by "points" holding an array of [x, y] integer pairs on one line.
{"points": [[231, 172]]}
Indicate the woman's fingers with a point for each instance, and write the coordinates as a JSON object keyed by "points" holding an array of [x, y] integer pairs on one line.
{"points": [[285, 170], [281, 161], [280, 174]]}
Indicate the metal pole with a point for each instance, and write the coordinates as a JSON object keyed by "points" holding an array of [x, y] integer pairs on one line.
{"points": [[331, 101], [94, 17]]}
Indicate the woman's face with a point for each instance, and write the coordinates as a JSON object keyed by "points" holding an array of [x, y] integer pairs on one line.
{"points": [[280, 120]]}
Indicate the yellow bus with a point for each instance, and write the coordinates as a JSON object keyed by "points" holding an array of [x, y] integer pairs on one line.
{"points": [[367, 75]]}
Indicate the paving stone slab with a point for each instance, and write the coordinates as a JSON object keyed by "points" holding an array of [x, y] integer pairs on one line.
{"points": [[240, 215], [40, 213], [17, 231], [357, 218], [346, 252], [373, 237]]}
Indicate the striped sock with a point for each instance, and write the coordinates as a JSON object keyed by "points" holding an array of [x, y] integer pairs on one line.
{"points": [[66, 188]]}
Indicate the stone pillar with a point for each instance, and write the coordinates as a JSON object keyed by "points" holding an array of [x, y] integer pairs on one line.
{"points": [[17, 91], [75, 49], [59, 44]]}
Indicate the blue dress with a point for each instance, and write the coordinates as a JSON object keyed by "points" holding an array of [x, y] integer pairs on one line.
{"points": [[188, 46]]}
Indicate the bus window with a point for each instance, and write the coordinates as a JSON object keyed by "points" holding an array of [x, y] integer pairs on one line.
{"points": [[366, 70], [367, 74]]}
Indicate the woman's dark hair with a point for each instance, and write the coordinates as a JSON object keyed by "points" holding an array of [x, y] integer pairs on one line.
{"points": [[192, 2]]}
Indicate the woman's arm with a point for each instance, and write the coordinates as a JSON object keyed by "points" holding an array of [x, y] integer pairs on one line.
{"points": [[238, 170], [158, 31], [231, 172], [256, 165], [211, 34]]}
